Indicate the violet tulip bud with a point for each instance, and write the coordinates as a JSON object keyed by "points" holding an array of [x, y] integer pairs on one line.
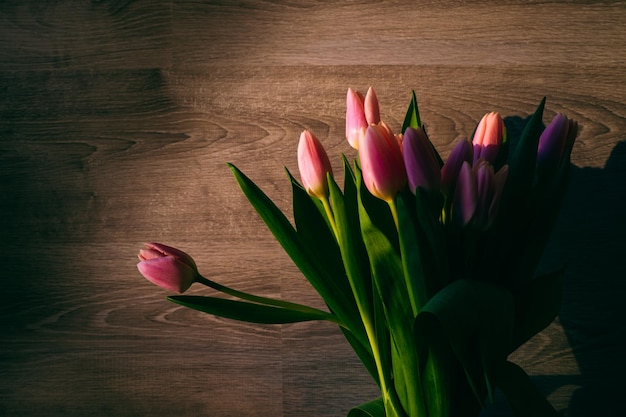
{"points": [[465, 195], [420, 161], [488, 137], [314, 165], [360, 113], [462, 152], [485, 192], [167, 267], [382, 165], [500, 180], [555, 141]]}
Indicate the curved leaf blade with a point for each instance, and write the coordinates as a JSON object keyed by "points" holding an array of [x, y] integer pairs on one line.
{"points": [[244, 311], [374, 408]]}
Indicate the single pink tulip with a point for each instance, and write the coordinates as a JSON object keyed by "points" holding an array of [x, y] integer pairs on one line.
{"points": [[356, 123], [314, 165], [488, 137], [555, 140], [465, 195], [372, 110], [167, 267], [462, 152], [360, 113], [420, 161], [382, 165]]}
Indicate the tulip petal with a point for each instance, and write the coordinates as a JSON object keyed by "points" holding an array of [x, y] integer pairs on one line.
{"points": [[314, 165], [420, 160], [168, 272], [171, 251], [381, 163], [465, 195], [356, 123]]}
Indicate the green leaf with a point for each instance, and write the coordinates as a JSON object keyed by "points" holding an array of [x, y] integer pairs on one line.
{"points": [[387, 272], [523, 396], [411, 253], [374, 408], [412, 118], [513, 215], [437, 367], [539, 302], [324, 282], [244, 311], [312, 226], [477, 319]]}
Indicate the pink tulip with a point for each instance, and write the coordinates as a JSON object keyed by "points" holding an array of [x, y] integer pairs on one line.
{"points": [[372, 110], [555, 140], [314, 165], [462, 152], [381, 162], [488, 137], [420, 161], [167, 267], [360, 113]]}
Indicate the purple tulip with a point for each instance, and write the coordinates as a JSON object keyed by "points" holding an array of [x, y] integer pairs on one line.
{"points": [[485, 192], [555, 141], [465, 195], [167, 267], [382, 165], [462, 152], [314, 165], [500, 180], [420, 161], [488, 137]]}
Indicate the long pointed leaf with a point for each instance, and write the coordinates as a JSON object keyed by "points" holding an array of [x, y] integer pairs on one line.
{"points": [[539, 302], [374, 408], [523, 396], [244, 311], [387, 271], [323, 281], [477, 319]]}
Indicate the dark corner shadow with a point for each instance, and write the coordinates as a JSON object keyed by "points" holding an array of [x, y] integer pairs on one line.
{"points": [[590, 239]]}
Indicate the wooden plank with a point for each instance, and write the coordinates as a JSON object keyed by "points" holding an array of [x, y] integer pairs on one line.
{"points": [[117, 118]]}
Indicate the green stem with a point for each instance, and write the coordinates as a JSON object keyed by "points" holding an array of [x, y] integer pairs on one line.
{"points": [[410, 285], [390, 401], [269, 301], [330, 215]]}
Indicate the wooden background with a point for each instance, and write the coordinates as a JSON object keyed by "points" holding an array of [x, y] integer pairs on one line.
{"points": [[116, 121]]}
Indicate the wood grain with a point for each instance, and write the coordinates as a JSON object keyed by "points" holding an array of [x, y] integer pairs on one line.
{"points": [[117, 119]]}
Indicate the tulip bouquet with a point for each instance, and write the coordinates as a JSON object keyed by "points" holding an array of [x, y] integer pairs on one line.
{"points": [[427, 267]]}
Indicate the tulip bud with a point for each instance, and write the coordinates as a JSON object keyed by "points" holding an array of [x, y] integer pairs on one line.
{"points": [[167, 267], [488, 137], [485, 191], [500, 180], [465, 195], [462, 152], [382, 165], [555, 141], [356, 123], [372, 111], [420, 161], [314, 165]]}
